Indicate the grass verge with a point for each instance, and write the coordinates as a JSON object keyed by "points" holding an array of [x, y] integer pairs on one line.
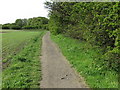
{"points": [[24, 70], [85, 59]]}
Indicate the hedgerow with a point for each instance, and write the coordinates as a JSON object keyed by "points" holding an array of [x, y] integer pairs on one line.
{"points": [[94, 22]]}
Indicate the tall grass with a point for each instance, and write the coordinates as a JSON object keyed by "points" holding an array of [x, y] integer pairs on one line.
{"points": [[85, 59]]}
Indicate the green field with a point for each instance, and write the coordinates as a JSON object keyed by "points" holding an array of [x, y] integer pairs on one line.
{"points": [[14, 41], [85, 59], [21, 61]]}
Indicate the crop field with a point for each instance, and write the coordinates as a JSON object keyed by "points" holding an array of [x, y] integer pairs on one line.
{"points": [[21, 50], [13, 42]]}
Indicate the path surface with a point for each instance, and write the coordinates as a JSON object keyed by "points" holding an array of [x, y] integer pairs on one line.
{"points": [[57, 72]]}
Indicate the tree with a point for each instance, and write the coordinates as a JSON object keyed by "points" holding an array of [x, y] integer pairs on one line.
{"points": [[19, 22]]}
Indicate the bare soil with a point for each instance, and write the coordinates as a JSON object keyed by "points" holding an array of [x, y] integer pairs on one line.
{"points": [[56, 70]]}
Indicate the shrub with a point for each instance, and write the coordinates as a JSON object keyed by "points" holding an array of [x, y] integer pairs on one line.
{"points": [[16, 27], [5, 26]]}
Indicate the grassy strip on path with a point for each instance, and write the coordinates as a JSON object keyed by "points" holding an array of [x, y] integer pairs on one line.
{"points": [[85, 60], [24, 70]]}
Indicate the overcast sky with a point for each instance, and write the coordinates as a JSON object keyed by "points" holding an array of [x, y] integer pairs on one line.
{"points": [[10, 10]]}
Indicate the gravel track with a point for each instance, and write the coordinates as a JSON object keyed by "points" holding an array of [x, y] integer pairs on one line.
{"points": [[56, 70]]}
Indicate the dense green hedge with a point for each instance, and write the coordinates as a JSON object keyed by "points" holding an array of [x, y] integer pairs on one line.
{"points": [[94, 22]]}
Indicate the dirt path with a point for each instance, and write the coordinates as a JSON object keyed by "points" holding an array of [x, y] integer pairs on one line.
{"points": [[57, 72]]}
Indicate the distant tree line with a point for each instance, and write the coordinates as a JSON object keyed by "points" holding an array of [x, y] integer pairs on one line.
{"points": [[31, 23], [0, 26], [94, 22]]}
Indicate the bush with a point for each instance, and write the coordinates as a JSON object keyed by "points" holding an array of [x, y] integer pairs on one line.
{"points": [[5, 26], [30, 27], [16, 27]]}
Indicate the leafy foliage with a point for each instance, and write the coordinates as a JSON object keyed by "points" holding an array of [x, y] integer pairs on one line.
{"points": [[93, 22], [16, 27], [36, 23], [6, 26], [31, 23]]}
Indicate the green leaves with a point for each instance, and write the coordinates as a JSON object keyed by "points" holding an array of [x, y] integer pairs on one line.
{"points": [[94, 22], [31, 23]]}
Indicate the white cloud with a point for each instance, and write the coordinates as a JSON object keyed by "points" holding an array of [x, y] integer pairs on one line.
{"points": [[15, 9]]}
